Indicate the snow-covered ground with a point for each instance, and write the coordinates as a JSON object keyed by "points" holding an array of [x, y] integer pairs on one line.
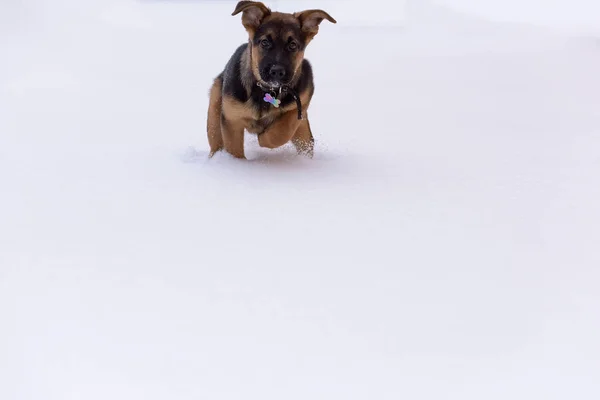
{"points": [[443, 244]]}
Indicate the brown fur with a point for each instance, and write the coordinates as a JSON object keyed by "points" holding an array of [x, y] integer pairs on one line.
{"points": [[213, 122]]}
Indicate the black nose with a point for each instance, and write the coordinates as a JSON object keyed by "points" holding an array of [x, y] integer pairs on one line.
{"points": [[277, 72]]}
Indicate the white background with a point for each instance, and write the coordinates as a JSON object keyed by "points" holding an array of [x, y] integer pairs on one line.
{"points": [[442, 244]]}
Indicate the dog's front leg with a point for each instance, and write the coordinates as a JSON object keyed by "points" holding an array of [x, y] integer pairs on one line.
{"points": [[233, 136], [280, 131], [213, 121], [303, 138]]}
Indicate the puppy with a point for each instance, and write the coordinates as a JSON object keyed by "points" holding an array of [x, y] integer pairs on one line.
{"points": [[267, 85]]}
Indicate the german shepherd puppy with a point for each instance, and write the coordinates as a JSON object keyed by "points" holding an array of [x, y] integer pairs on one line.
{"points": [[267, 85]]}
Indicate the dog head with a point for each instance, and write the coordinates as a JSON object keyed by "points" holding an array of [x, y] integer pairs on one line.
{"points": [[278, 40]]}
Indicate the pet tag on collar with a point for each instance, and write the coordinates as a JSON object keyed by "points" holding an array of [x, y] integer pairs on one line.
{"points": [[269, 99]]}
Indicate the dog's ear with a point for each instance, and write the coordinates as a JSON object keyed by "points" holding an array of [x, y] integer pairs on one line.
{"points": [[310, 20], [253, 13]]}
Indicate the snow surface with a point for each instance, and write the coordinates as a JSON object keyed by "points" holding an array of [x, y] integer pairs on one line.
{"points": [[443, 244]]}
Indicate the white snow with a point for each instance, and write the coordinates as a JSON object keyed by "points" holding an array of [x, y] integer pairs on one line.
{"points": [[443, 244]]}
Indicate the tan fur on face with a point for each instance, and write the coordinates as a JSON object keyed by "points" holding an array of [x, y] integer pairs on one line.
{"points": [[298, 58], [254, 63], [256, 57]]}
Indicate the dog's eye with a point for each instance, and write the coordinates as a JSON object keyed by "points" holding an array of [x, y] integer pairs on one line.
{"points": [[265, 44], [293, 46]]}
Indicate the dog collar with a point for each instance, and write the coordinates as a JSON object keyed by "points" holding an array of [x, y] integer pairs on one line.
{"points": [[272, 96]]}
